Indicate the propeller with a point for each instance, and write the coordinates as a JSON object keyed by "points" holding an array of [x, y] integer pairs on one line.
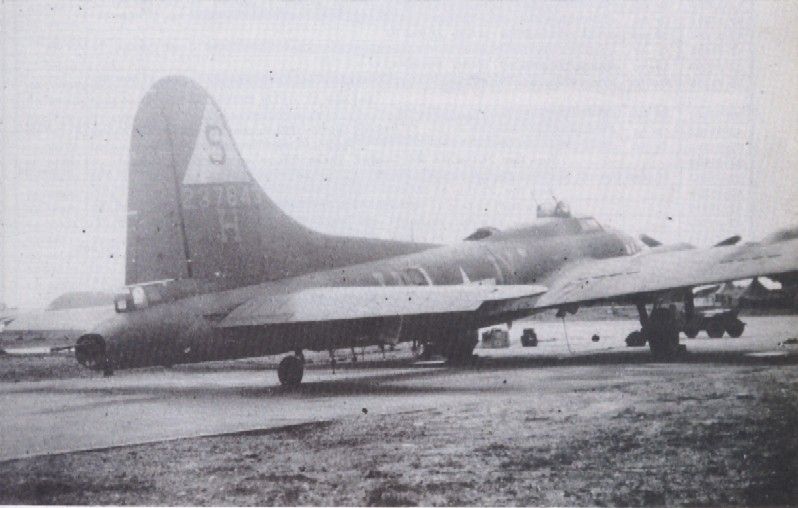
{"points": [[651, 242], [732, 240]]}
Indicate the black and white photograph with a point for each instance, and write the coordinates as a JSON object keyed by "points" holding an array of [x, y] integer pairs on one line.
{"points": [[441, 253]]}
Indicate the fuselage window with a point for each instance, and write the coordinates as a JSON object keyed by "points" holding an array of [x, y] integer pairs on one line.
{"points": [[416, 277], [153, 294], [139, 297]]}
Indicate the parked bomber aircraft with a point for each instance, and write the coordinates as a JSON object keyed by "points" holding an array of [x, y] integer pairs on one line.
{"points": [[215, 270]]}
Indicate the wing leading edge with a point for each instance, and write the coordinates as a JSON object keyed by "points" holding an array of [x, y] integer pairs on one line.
{"points": [[624, 277]]}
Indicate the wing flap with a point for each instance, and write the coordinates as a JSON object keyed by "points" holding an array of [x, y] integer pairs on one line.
{"points": [[346, 303]]}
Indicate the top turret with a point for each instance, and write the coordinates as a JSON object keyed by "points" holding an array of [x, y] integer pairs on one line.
{"points": [[558, 209]]}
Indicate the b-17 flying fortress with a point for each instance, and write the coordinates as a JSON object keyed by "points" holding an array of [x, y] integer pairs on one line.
{"points": [[215, 270]]}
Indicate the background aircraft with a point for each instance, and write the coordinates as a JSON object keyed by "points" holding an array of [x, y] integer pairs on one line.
{"points": [[58, 325], [216, 270]]}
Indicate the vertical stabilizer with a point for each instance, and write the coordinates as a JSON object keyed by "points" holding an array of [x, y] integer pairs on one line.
{"points": [[194, 210]]}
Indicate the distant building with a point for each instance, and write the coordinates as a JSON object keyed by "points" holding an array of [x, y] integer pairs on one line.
{"points": [[760, 293]]}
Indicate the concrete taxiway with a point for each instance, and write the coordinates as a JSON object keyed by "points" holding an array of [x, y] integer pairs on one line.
{"points": [[53, 416]]}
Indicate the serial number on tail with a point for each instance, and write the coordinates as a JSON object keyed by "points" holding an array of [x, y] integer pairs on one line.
{"points": [[219, 196]]}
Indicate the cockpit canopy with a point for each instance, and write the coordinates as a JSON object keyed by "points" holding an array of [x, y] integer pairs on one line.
{"points": [[558, 209]]}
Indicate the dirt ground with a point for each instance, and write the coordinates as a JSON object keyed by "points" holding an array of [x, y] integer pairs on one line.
{"points": [[638, 434]]}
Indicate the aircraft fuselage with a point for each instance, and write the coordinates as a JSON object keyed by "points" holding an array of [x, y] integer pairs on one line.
{"points": [[185, 331]]}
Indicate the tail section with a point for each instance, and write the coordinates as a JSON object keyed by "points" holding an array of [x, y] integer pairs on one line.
{"points": [[194, 210]]}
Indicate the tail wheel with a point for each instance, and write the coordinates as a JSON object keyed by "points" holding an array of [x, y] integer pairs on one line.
{"points": [[735, 328], [662, 331], [715, 328], [290, 371], [90, 352]]}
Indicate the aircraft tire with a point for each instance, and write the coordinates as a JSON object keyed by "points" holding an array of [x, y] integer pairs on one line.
{"points": [[691, 331], [735, 328], [662, 332], [715, 328], [460, 347], [635, 339], [664, 345], [290, 371]]}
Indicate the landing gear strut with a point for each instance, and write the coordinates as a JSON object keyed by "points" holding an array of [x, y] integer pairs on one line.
{"points": [[290, 370], [458, 347], [660, 329]]}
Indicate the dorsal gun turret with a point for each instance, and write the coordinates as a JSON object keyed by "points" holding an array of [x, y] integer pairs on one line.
{"points": [[558, 209]]}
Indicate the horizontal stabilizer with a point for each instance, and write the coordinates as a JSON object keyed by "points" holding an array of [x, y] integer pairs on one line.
{"points": [[341, 303]]}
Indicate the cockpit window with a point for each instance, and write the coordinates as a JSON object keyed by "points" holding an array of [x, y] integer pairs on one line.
{"points": [[416, 276]]}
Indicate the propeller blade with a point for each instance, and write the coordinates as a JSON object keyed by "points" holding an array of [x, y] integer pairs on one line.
{"points": [[732, 240], [650, 241]]}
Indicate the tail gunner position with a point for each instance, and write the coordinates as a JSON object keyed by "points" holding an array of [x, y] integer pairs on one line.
{"points": [[215, 270]]}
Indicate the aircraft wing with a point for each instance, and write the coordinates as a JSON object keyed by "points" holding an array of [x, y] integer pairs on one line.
{"points": [[350, 303], [621, 278]]}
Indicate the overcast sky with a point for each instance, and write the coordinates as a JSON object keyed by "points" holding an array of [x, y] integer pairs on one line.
{"points": [[400, 120]]}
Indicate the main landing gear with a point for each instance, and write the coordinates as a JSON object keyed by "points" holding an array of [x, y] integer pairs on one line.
{"points": [[291, 368], [660, 329], [457, 346]]}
